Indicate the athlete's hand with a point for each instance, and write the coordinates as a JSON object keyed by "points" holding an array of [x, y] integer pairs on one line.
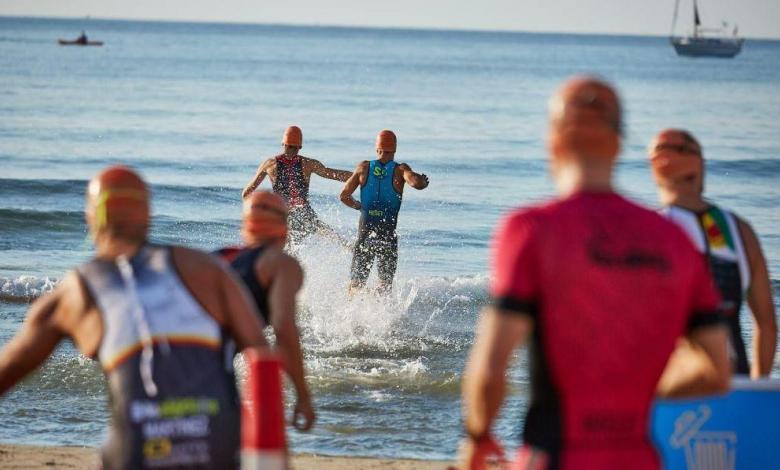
{"points": [[424, 179], [304, 411], [476, 454]]}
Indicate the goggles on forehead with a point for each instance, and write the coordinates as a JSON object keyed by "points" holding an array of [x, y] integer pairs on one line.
{"points": [[102, 199], [679, 148], [267, 207]]}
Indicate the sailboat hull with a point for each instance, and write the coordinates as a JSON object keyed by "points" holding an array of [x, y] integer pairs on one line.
{"points": [[707, 47]]}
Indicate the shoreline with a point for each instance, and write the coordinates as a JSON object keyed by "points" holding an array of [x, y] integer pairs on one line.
{"points": [[20, 456]]}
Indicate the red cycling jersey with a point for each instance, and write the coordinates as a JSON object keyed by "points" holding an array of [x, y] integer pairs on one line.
{"points": [[611, 287]]}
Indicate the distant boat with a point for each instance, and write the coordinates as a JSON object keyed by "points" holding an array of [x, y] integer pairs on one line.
{"points": [[79, 41], [705, 42]]}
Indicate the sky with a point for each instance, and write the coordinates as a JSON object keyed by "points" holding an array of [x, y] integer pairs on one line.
{"points": [[756, 18]]}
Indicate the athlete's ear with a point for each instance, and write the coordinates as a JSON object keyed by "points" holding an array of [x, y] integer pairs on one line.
{"points": [[89, 214], [554, 148]]}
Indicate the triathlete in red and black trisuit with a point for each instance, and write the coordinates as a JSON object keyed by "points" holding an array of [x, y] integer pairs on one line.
{"points": [[715, 233], [290, 183], [377, 237], [174, 402], [610, 287], [243, 262]]}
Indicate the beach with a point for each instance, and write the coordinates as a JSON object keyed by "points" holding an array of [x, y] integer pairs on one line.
{"points": [[41, 457]]}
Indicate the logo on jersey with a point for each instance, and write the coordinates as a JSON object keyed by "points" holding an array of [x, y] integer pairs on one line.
{"points": [[715, 227]]}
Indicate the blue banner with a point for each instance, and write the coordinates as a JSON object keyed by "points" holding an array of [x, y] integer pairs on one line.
{"points": [[740, 430]]}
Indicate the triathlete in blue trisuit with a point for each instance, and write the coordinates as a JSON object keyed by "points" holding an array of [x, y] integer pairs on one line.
{"points": [[381, 184]]}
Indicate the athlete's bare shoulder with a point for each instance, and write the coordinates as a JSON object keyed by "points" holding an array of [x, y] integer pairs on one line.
{"points": [[189, 261], [206, 278], [268, 164], [274, 262], [77, 314], [288, 263], [310, 164]]}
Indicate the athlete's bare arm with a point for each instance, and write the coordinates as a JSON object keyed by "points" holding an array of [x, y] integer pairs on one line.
{"points": [[316, 167], [498, 334], [284, 278], [415, 180], [222, 295], [65, 312], [33, 344], [262, 171], [355, 180], [699, 365], [759, 299]]}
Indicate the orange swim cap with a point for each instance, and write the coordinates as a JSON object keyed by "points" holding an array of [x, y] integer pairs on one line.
{"points": [[264, 217], [117, 197], [585, 120], [293, 136], [675, 154], [386, 141]]}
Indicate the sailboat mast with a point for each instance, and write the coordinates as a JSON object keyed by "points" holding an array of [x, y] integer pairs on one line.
{"points": [[674, 18], [696, 21]]}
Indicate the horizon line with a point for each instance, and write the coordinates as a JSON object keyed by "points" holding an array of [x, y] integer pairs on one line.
{"points": [[365, 27]]}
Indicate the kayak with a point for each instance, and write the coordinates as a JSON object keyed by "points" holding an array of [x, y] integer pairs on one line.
{"points": [[76, 42]]}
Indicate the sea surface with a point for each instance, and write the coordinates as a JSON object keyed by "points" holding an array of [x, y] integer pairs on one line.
{"points": [[196, 107]]}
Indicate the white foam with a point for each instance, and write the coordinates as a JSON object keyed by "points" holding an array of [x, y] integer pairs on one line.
{"points": [[25, 288], [332, 320], [382, 342]]}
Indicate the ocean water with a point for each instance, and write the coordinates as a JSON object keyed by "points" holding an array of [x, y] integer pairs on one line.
{"points": [[196, 107]]}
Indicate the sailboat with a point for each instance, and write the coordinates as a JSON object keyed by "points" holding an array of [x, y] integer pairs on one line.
{"points": [[705, 42]]}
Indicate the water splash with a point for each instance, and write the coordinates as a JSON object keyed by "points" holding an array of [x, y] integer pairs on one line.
{"points": [[24, 289], [382, 343]]}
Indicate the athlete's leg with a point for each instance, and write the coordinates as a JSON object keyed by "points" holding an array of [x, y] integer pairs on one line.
{"points": [[328, 232], [387, 263], [298, 225], [362, 259]]}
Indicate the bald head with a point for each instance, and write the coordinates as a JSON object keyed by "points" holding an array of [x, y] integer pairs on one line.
{"points": [[118, 204], [585, 121]]}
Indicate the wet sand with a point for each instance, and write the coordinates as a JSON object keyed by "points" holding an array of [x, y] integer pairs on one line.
{"points": [[46, 457]]}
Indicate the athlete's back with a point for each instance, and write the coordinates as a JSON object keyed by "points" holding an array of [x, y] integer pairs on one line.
{"points": [[610, 284]]}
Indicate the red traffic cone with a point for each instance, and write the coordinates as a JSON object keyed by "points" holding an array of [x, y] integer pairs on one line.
{"points": [[263, 442]]}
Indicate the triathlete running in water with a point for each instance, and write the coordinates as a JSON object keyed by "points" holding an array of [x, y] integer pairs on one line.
{"points": [[602, 289], [729, 244], [381, 185], [273, 279], [290, 174], [157, 318]]}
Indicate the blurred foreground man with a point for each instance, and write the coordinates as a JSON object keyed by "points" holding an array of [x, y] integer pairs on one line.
{"points": [[728, 243], [290, 175], [602, 289], [273, 279], [156, 318], [381, 183]]}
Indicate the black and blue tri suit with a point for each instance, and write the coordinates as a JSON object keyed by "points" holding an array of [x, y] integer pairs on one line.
{"points": [[377, 238]]}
